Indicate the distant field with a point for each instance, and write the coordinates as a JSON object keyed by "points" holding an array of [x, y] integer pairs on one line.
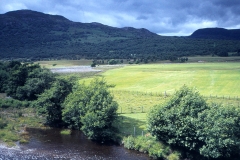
{"points": [[139, 87], [214, 59], [221, 79]]}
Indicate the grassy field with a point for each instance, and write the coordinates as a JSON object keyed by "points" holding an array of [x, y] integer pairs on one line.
{"points": [[139, 87], [221, 79]]}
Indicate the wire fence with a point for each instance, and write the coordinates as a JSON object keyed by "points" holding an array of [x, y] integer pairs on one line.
{"points": [[224, 100]]}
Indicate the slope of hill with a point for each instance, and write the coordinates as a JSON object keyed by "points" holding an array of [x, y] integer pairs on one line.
{"points": [[217, 33], [35, 35]]}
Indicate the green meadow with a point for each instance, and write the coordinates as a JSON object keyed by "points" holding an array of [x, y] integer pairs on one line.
{"points": [[139, 87], [221, 79]]}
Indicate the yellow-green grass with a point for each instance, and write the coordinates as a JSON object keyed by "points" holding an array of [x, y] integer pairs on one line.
{"points": [[64, 63], [136, 102], [66, 132], [131, 115], [144, 86], [220, 79]]}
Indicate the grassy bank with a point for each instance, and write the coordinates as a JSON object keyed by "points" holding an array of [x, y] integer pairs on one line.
{"points": [[13, 123]]}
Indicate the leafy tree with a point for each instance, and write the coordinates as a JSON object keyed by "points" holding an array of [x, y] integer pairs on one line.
{"points": [[50, 102], [186, 121], [26, 81], [174, 122], [92, 108], [219, 129], [112, 61]]}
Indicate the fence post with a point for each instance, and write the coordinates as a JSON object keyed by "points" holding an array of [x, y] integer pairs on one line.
{"points": [[134, 131]]}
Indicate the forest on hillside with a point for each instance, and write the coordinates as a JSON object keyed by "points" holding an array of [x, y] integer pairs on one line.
{"points": [[30, 35]]}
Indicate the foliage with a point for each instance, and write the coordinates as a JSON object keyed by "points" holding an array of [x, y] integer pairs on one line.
{"points": [[112, 61], [13, 103], [50, 101], [92, 109], [186, 121], [219, 129], [148, 144], [24, 81], [175, 121]]}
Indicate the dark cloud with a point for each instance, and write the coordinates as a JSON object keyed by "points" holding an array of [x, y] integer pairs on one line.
{"points": [[164, 17]]}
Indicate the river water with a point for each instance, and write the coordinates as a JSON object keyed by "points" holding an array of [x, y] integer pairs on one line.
{"points": [[48, 144]]}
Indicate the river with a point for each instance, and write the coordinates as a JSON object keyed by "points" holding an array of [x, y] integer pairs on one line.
{"points": [[48, 144]]}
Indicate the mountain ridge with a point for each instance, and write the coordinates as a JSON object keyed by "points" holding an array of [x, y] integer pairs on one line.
{"points": [[35, 35]]}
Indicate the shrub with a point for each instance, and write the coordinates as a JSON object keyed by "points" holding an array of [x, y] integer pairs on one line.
{"points": [[186, 121], [174, 122], [7, 103], [92, 109]]}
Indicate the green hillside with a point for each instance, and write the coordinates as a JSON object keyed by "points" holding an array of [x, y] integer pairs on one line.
{"points": [[36, 36]]}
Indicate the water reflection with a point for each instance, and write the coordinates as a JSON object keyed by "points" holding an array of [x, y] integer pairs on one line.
{"points": [[50, 144]]}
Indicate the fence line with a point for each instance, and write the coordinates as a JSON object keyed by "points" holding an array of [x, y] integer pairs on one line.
{"points": [[167, 94]]}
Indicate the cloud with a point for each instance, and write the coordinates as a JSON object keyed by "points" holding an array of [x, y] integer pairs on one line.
{"points": [[164, 17]]}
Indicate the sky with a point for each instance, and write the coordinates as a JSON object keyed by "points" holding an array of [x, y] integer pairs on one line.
{"points": [[164, 17]]}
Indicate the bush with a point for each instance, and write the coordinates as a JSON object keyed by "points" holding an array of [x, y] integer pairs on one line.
{"points": [[112, 61], [219, 130], [92, 109], [10, 102], [186, 121], [174, 122]]}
